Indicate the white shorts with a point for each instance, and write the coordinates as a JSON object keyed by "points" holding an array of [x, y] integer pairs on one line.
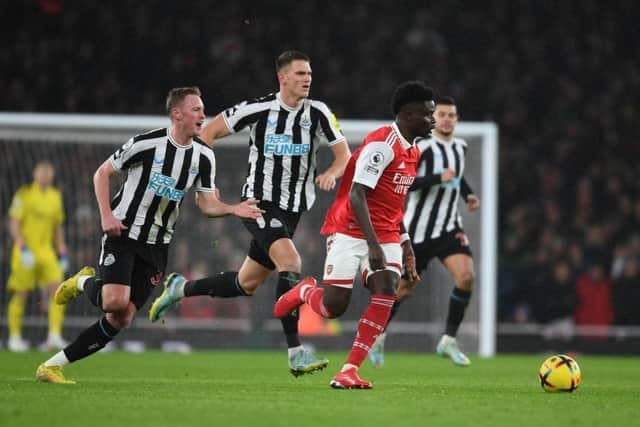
{"points": [[346, 255]]}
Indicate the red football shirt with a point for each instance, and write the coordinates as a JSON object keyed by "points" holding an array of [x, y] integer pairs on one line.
{"points": [[386, 163]]}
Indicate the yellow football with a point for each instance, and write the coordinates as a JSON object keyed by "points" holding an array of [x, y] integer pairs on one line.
{"points": [[560, 373]]}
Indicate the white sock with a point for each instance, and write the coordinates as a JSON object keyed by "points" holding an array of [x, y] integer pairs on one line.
{"points": [[348, 366], [293, 350], [81, 281], [58, 359]]}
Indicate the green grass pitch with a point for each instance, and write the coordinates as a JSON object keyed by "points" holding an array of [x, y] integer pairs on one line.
{"points": [[228, 388]]}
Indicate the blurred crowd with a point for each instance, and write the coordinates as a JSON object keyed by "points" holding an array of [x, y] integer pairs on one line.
{"points": [[561, 80]]}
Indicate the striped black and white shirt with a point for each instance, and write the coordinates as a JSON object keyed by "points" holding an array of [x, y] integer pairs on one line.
{"points": [[432, 207], [159, 174], [283, 145]]}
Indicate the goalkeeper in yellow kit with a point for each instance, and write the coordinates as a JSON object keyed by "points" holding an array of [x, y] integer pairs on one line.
{"points": [[39, 254]]}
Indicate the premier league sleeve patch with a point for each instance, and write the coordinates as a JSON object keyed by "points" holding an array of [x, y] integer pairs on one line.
{"points": [[376, 158], [373, 165], [372, 162]]}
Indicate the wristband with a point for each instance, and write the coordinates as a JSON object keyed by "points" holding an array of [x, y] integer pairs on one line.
{"points": [[404, 237]]}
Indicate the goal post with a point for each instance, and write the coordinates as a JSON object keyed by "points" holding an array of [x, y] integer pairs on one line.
{"points": [[88, 138]]}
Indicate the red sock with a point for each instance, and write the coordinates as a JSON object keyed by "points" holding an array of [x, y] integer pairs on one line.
{"points": [[313, 298], [372, 323]]}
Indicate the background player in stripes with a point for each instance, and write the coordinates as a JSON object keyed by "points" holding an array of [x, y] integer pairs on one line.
{"points": [[435, 225], [286, 130], [364, 225], [161, 166], [39, 254]]}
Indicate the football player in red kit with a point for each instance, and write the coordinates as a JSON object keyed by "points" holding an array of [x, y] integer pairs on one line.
{"points": [[365, 229]]}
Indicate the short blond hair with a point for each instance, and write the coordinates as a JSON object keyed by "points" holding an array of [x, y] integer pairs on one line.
{"points": [[178, 94]]}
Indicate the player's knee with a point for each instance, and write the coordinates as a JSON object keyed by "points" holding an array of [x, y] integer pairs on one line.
{"points": [[285, 256], [335, 310], [291, 263], [336, 307], [465, 280], [121, 320]]}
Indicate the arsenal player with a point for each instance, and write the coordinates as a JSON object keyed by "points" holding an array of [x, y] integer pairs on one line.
{"points": [[365, 229]]}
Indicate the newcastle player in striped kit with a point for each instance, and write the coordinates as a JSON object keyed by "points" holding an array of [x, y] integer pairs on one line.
{"points": [[161, 166], [286, 130], [435, 226]]}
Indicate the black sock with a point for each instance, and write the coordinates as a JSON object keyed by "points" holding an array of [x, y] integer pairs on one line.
{"points": [[394, 310], [92, 339], [287, 280], [222, 285], [93, 291], [458, 302]]}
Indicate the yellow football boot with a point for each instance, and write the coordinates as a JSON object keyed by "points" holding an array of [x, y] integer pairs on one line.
{"points": [[68, 289], [52, 374]]}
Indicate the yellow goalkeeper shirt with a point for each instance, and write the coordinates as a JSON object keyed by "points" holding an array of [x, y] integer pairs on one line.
{"points": [[39, 212]]}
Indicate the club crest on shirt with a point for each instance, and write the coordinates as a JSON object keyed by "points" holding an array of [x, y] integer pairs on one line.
{"points": [[329, 269], [305, 122], [275, 223], [109, 260]]}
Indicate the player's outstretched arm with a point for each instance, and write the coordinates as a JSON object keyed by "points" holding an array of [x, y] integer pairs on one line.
{"points": [[215, 129], [327, 180], [211, 206]]}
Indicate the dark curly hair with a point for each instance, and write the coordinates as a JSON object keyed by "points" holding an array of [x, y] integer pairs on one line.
{"points": [[409, 92]]}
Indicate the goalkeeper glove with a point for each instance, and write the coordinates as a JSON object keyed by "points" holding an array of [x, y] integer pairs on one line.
{"points": [[26, 257], [63, 259]]}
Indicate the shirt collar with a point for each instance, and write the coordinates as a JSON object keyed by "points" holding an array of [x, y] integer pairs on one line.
{"points": [[284, 105], [405, 144], [173, 141]]}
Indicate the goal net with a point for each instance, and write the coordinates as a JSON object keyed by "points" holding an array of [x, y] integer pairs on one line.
{"points": [[78, 144]]}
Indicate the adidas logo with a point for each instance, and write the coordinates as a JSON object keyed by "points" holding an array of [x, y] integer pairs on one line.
{"points": [[402, 166]]}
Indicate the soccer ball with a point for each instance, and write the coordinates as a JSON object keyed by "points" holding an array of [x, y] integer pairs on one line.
{"points": [[559, 373]]}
